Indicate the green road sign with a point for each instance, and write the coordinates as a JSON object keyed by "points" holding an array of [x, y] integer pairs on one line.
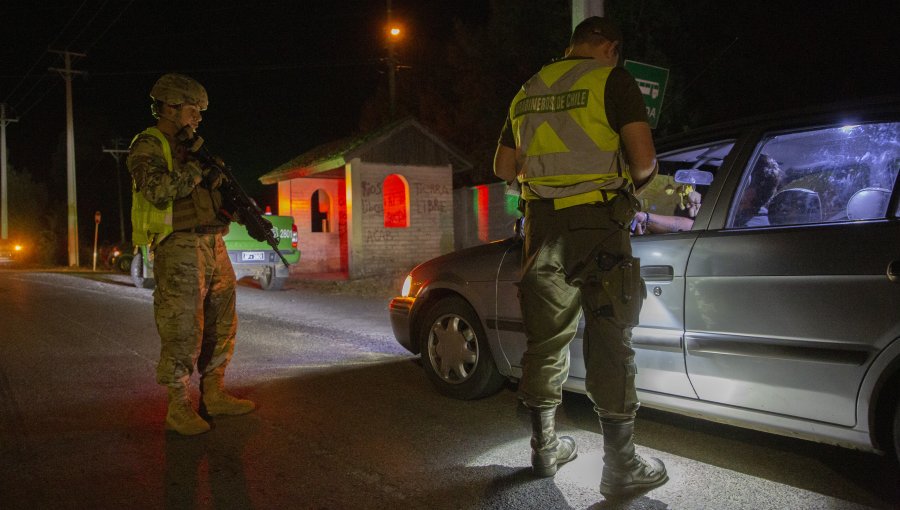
{"points": [[652, 82]]}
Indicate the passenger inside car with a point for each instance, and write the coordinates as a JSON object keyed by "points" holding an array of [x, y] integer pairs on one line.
{"points": [[758, 190]]}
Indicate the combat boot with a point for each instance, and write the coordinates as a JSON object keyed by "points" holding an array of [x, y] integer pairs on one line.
{"points": [[219, 403], [625, 472], [548, 451], [181, 416]]}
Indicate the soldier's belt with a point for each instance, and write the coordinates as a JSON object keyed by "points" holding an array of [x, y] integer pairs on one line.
{"points": [[205, 230]]}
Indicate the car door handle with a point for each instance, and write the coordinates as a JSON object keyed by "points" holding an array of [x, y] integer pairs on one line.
{"points": [[657, 273], [893, 271]]}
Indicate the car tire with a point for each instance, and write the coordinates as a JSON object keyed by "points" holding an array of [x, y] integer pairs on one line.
{"points": [[137, 273], [455, 351], [271, 282], [123, 262]]}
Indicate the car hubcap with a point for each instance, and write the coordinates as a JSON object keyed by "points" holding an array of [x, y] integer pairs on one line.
{"points": [[452, 349]]}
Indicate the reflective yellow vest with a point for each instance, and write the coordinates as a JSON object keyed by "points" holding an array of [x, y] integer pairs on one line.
{"points": [[148, 220], [571, 153]]}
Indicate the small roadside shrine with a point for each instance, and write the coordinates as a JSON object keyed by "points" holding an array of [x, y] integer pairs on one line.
{"points": [[374, 204]]}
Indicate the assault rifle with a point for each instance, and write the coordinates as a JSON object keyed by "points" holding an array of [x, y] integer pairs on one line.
{"points": [[236, 200]]}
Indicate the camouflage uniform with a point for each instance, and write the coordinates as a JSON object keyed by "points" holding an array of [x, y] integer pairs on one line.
{"points": [[194, 299]]}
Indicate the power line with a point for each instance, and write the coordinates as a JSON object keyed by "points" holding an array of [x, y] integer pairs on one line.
{"points": [[90, 22], [112, 23], [58, 34]]}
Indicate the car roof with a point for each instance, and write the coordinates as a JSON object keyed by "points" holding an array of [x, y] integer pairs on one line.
{"points": [[806, 115]]}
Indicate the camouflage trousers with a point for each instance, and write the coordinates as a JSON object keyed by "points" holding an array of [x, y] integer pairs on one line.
{"points": [[564, 273], [194, 305]]}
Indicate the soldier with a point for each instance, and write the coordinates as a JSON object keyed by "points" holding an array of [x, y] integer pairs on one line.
{"points": [[568, 130], [175, 212]]}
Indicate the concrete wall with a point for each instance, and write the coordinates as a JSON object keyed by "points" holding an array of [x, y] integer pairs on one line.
{"points": [[358, 242], [377, 249], [483, 214], [320, 252]]}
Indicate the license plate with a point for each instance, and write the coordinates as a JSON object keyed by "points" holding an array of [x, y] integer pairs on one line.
{"points": [[249, 256]]}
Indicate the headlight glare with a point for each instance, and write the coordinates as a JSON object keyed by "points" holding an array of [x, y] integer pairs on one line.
{"points": [[407, 285]]}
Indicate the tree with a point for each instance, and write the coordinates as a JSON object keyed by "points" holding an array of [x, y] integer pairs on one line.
{"points": [[31, 217]]}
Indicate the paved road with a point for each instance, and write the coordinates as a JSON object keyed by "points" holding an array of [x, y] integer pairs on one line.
{"points": [[346, 419]]}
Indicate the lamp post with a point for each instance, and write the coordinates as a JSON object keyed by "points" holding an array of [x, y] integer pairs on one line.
{"points": [[394, 33]]}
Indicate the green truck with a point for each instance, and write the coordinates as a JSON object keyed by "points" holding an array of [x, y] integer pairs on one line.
{"points": [[250, 258]]}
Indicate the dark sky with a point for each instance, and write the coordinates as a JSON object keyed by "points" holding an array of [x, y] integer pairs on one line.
{"points": [[286, 75], [283, 76]]}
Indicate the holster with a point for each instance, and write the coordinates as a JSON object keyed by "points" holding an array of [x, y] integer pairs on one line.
{"points": [[625, 290]]}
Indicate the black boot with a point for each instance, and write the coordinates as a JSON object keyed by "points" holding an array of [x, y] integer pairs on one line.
{"points": [[547, 450], [625, 472]]}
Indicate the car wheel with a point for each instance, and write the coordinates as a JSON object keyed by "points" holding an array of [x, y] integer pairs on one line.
{"points": [[455, 351], [271, 282], [137, 273], [123, 263]]}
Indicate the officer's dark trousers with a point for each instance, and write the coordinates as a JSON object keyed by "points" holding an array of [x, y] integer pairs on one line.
{"points": [[559, 244]]}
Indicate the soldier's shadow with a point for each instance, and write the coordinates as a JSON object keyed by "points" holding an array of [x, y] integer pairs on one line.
{"points": [[208, 466]]}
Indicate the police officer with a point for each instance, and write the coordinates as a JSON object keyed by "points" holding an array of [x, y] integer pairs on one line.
{"points": [[578, 142], [175, 204]]}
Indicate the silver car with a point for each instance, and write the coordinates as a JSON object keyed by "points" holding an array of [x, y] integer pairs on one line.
{"points": [[784, 317]]}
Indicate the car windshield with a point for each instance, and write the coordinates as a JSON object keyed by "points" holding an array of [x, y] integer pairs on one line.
{"points": [[668, 196]]}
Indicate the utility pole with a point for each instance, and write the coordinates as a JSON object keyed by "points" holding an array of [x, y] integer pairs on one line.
{"points": [[72, 207], [392, 63], [116, 152], [4, 208], [583, 9]]}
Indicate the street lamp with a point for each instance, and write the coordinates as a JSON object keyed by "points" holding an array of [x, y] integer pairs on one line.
{"points": [[394, 33]]}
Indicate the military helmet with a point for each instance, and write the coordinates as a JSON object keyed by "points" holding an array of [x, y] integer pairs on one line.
{"points": [[178, 89]]}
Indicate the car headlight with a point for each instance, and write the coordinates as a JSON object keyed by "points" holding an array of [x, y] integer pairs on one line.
{"points": [[407, 286], [19, 247]]}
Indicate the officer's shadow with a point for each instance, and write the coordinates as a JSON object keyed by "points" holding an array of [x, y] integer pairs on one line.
{"points": [[208, 466], [517, 487], [505, 487]]}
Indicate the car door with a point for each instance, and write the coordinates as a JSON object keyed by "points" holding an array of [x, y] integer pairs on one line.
{"points": [[788, 302], [508, 322], [658, 338]]}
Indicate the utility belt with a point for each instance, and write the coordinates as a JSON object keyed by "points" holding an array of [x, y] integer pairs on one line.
{"points": [[579, 194], [205, 229]]}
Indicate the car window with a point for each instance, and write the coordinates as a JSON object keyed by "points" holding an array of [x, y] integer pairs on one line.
{"points": [[668, 196], [834, 174]]}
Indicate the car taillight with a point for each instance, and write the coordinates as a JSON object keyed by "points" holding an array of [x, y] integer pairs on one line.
{"points": [[294, 237]]}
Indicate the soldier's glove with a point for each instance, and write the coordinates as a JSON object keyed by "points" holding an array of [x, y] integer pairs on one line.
{"points": [[193, 145], [193, 169], [213, 178]]}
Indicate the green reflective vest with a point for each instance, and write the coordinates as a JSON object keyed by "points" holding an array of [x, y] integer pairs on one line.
{"points": [[570, 152], [147, 219]]}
